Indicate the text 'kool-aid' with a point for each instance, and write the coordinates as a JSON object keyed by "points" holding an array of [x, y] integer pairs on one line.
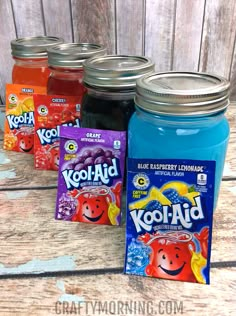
{"points": [[169, 218], [90, 175], [51, 112]]}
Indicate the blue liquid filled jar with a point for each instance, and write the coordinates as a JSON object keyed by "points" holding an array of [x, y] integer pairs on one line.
{"points": [[181, 116]]}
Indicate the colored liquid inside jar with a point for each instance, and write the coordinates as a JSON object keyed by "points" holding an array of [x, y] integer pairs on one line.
{"points": [[193, 139], [30, 71], [107, 111], [166, 126], [111, 80], [66, 82], [66, 64], [31, 61]]}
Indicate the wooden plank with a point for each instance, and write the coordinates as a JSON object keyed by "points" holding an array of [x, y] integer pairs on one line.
{"points": [[160, 19], [187, 38], [233, 75], [94, 21], [33, 242], [2, 119], [116, 294], [17, 171], [130, 27], [230, 163], [218, 37], [28, 18], [61, 13], [6, 35], [231, 115]]}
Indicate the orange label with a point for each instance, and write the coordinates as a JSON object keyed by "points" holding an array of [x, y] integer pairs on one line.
{"points": [[19, 121]]}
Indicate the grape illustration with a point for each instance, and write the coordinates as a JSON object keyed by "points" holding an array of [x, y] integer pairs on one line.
{"points": [[100, 160], [87, 153], [98, 152], [67, 207], [108, 154], [89, 161], [79, 166]]}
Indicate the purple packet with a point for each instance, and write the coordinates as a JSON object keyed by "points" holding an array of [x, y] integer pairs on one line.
{"points": [[90, 175]]}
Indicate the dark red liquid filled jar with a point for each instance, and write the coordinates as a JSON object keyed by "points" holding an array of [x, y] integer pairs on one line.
{"points": [[66, 65], [31, 60], [110, 81]]}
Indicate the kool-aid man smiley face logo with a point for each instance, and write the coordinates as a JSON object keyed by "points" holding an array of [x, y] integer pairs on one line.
{"points": [[93, 206], [171, 255], [26, 142], [71, 147], [42, 110]]}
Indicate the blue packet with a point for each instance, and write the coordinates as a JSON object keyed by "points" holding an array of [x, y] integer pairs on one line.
{"points": [[169, 218]]}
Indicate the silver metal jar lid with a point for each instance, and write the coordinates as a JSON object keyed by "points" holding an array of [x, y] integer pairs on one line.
{"points": [[33, 47], [116, 71], [182, 93], [73, 54]]}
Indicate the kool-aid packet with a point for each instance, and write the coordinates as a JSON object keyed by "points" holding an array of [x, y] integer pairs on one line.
{"points": [[169, 218], [19, 122], [90, 175], [52, 111]]}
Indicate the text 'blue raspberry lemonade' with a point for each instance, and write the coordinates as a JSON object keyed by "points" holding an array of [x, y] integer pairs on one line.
{"points": [[181, 116]]}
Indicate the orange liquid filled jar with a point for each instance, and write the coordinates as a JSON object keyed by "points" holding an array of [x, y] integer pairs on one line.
{"points": [[31, 61], [66, 64]]}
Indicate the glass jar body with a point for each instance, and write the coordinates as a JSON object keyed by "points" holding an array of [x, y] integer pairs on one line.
{"points": [[196, 138], [66, 81], [31, 71], [107, 110]]}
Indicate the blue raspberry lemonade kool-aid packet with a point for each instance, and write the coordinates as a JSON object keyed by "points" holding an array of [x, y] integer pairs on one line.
{"points": [[90, 175], [169, 218]]}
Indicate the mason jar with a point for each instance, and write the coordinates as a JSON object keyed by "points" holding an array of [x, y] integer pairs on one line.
{"points": [[66, 64], [110, 81], [181, 115], [31, 60]]}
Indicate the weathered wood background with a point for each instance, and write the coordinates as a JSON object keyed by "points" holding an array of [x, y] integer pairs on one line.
{"points": [[187, 35]]}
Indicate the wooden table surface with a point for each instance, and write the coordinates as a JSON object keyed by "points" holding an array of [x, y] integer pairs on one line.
{"points": [[44, 262]]}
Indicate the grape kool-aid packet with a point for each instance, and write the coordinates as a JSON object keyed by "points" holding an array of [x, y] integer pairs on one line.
{"points": [[52, 111], [169, 219], [90, 175]]}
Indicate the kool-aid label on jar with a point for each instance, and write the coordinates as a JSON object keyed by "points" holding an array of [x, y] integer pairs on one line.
{"points": [[90, 175], [169, 218]]}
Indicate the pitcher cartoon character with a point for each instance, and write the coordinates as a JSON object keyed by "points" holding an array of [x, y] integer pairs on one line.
{"points": [[97, 205], [54, 157], [174, 255], [25, 142]]}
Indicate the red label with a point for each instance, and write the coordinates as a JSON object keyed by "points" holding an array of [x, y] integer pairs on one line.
{"points": [[51, 112]]}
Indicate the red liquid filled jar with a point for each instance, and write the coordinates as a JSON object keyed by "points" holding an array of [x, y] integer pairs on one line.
{"points": [[31, 61], [66, 64]]}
